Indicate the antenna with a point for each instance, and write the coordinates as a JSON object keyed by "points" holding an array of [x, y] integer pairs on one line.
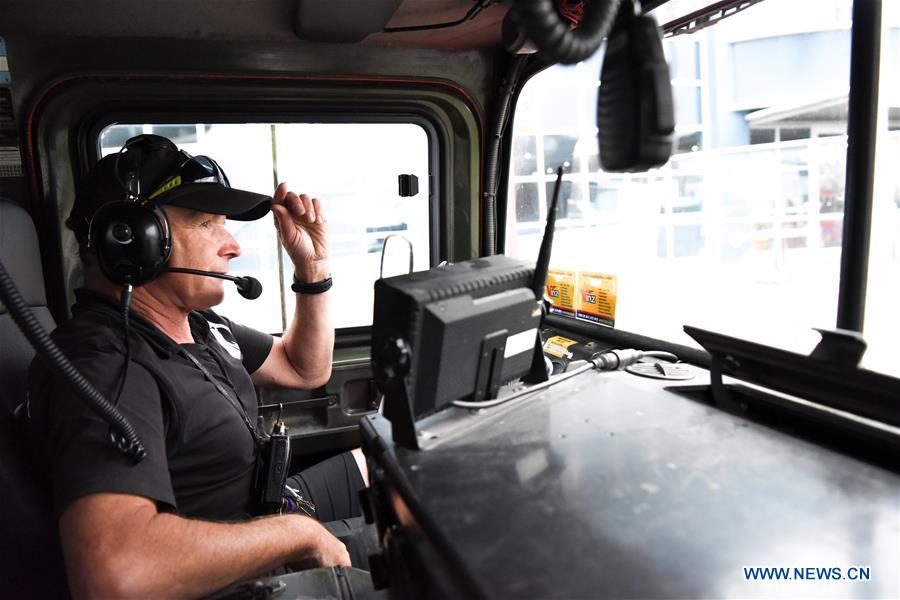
{"points": [[543, 260]]}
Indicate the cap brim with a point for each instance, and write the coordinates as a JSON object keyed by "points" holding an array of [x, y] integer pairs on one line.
{"points": [[216, 199]]}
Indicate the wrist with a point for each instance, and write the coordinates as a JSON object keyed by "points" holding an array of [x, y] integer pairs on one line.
{"points": [[305, 526], [312, 273], [314, 287]]}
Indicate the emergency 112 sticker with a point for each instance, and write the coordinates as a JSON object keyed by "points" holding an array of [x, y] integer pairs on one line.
{"points": [[596, 299], [561, 291]]}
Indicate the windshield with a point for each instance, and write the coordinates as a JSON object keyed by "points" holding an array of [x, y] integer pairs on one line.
{"points": [[741, 231]]}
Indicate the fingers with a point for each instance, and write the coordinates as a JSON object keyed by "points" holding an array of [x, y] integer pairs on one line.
{"points": [[332, 551], [295, 205], [280, 192], [279, 211], [324, 558], [318, 547], [308, 208], [300, 207], [342, 556], [281, 216], [317, 207], [284, 196]]}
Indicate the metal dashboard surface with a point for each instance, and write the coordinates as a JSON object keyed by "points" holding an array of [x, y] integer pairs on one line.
{"points": [[609, 485]]}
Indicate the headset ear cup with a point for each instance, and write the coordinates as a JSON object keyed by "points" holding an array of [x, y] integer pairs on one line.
{"points": [[165, 238], [132, 242]]}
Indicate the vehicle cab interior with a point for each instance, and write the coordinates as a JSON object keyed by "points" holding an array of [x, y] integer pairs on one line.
{"points": [[614, 282]]}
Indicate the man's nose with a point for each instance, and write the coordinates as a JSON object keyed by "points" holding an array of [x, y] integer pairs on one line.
{"points": [[230, 248]]}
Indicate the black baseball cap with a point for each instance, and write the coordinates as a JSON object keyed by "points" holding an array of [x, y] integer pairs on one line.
{"points": [[150, 169]]}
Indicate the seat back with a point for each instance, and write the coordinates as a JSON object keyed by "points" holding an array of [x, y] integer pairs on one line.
{"points": [[30, 557], [20, 254]]}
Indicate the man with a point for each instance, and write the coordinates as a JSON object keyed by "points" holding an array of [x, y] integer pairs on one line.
{"points": [[178, 524]]}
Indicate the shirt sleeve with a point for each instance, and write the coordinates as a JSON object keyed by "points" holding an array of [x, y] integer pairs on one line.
{"points": [[76, 441], [254, 344]]}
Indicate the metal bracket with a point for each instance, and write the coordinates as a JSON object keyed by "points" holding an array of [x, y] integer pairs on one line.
{"points": [[722, 397]]}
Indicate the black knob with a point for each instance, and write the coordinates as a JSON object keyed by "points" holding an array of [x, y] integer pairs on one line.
{"points": [[122, 233], [396, 357]]}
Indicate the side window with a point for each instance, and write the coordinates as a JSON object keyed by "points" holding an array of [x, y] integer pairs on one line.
{"points": [[740, 232], [883, 296], [351, 167]]}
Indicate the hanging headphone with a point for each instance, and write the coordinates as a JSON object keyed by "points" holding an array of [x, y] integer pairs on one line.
{"points": [[132, 238]]}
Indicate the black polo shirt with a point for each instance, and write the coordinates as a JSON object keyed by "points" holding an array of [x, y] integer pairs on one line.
{"points": [[200, 453]]}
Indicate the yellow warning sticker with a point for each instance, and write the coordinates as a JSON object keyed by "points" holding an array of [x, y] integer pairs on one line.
{"points": [[561, 291], [559, 346], [596, 300]]}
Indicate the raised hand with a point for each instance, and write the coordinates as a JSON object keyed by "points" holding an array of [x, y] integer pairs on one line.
{"points": [[303, 231]]}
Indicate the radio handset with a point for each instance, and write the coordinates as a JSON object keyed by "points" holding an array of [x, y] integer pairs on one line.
{"points": [[275, 455]]}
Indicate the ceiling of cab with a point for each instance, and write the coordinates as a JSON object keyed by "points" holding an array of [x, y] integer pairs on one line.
{"points": [[239, 20]]}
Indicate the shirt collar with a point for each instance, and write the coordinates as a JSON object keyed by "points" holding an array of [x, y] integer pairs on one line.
{"points": [[199, 327], [91, 301]]}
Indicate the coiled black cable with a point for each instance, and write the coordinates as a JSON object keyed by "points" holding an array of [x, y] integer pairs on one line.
{"points": [[550, 33], [507, 89], [122, 433]]}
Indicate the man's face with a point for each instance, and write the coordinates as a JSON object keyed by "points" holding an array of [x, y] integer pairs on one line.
{"points": [[199, 241]]}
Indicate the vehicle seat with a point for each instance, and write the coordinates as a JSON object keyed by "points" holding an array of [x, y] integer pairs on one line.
{"points": [[31, 563]]}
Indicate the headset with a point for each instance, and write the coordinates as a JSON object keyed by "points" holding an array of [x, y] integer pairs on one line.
{"points": [[132, 239]]}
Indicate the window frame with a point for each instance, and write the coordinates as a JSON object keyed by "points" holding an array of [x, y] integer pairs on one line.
{"points": [[434, 232], [69, 116], [434, 163]]}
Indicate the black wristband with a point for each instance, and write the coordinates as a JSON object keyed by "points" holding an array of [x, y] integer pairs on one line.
{"points": [[311, 288]]}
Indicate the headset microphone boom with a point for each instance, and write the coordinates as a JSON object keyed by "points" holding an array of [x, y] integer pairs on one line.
{"points": [[247, 286]]}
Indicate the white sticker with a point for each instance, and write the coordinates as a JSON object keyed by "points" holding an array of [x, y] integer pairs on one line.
{"points": [[520, 342]]}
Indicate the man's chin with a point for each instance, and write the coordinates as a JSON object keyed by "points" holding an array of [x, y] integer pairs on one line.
{"points": [[209, 300]]}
